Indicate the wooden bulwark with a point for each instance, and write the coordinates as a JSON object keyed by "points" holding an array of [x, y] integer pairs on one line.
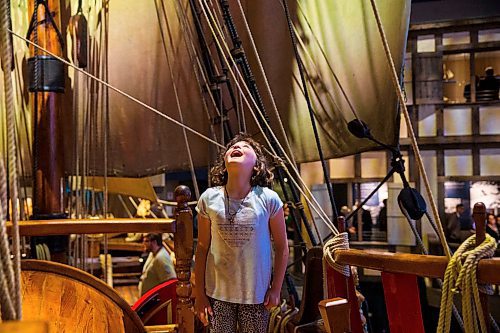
{"points": [[92, 226], [416, 264], [71, 300]]}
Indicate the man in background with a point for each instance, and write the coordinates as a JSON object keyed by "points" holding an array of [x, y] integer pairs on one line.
{"points": [[158, 267]]}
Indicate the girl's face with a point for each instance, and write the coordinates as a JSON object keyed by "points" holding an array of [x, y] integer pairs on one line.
{"points": [[491, 219], [241, 154]]}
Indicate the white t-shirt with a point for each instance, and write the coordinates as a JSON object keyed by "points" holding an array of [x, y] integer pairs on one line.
{"points": [[239, 263]]}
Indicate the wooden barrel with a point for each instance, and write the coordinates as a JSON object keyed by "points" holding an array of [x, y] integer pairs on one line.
{"points": [[71, 300]]}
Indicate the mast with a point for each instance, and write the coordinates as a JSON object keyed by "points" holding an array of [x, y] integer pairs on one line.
{"points": [[47, 84]]}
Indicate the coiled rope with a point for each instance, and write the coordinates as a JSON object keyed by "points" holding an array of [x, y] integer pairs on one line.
{"points": [[461, 275], [339, 241]]}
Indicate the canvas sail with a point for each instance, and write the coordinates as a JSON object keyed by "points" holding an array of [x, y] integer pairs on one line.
{"points": [[140, 142]]}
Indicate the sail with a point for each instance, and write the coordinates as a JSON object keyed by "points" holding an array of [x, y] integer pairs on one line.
{"points": [[150, 50]]}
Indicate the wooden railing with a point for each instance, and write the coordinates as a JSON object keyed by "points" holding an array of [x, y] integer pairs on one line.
{"points": [[181, 226], [399, 273]]}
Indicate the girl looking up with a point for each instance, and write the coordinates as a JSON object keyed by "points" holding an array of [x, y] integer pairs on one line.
{"points": [[236, 221]]}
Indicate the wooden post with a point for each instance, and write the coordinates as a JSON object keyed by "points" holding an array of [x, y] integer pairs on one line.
{"points": [[183, 244], [479, 216], [340, 286]]}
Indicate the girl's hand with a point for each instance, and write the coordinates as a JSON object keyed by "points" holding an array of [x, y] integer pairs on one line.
{"points": [[272, 298], [202, 309]]}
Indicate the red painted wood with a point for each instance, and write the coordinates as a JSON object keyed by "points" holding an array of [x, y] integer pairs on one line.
{"points": [[340, 286], [154, 299], [403, 303]]}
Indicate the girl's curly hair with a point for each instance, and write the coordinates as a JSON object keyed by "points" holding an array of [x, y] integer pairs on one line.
{"points": [[262, 176]]}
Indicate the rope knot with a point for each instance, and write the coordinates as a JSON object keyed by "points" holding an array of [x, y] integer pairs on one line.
{"points": [[340, 241]]}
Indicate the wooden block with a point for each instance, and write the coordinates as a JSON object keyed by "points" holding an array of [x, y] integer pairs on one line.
{"points": [[335, 313]]}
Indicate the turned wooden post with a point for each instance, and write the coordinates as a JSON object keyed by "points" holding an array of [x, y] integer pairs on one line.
{"points": [[479, 216], [183, 244]]}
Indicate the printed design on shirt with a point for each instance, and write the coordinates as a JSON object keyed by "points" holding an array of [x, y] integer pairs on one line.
{"points": [[241, 231]]}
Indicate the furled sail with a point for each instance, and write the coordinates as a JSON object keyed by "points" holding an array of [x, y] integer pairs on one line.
{"points": [[149, 49]]}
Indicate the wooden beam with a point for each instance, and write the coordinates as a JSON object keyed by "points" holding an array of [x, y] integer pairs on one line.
{"points": [[91, 226], [416, 264], [453, 25]]}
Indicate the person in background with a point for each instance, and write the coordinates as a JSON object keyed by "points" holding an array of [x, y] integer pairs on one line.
{"points": [[492, 227], [159, 267], [382, 217], [458, 225]]}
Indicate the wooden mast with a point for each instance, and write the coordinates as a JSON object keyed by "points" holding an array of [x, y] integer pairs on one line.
{"points": [[47, 86]]}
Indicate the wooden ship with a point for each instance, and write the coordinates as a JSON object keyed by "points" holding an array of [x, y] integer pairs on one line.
{"points": [[109, 89]]}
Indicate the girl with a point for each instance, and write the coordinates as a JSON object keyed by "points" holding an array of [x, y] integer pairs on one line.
{"points": [[236, 220]]}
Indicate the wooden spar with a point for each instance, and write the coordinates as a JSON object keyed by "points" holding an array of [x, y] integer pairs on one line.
{"points": [[48, 159], [92, 226], [416, 264]]}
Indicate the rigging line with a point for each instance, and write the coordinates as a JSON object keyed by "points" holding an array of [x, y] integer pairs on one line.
{"points": [[244, 96], [266, 82], [119, 91], [105, 115], [177, 101], [6, 55], [195, 61], [326, 173], [255, 117], [326, 60], [413, 139]]}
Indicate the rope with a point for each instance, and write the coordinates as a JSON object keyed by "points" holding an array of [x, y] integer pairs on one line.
{"points": [[6, 271], [266, 82], [411, 133], [6, 45], [177, 101], [461, 275], [273, 153], [340, 241]]}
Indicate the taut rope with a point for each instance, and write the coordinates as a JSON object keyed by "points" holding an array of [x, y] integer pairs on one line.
{"points": [[411, 133], [6, 46]]}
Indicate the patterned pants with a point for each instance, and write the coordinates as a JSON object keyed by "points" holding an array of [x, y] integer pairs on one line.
{"points": [[249, 318]]}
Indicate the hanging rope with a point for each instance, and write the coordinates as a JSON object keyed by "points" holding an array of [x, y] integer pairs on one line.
{"points": [[266, 82], [339, 241], [176, 94], [8, 312], [411, 133], [461, 275], [6, 46], [252, 107]]}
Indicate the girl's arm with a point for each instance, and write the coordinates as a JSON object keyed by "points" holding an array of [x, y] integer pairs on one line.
{"points": [[202, 306], [278, 232]]}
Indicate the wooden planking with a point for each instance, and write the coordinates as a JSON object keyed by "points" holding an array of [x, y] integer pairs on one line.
{"points": [[416, 264], [91, 226]]}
